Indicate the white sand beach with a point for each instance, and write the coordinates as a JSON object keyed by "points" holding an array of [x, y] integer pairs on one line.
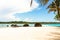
{"points": [[30, 33]]}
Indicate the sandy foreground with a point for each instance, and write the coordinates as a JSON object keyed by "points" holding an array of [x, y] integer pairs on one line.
{"points": [[30, 33]]}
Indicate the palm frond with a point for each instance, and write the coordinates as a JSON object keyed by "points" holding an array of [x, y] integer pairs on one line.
{"points": [[31, 3], [57, 17], [43, 2], [52, 9], [52, 5]]}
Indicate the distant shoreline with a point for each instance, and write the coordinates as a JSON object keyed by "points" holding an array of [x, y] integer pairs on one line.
{"points": [[21, 22]]}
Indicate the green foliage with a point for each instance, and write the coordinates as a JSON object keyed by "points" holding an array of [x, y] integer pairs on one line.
{"points": [[57, 17], [43, 2], [54, 6]]}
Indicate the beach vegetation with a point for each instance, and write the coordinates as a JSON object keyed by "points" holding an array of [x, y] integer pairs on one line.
{"points": [[54, 6]]}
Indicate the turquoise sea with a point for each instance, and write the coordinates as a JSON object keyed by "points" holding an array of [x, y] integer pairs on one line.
{"points": [[31, 25], [54, 25]]}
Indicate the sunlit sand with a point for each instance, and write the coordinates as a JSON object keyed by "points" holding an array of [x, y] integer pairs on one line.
{"points": [[30, 33]]}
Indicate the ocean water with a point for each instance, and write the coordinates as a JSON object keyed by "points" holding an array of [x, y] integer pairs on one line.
{"points": [[31, 25], [54, 25]]}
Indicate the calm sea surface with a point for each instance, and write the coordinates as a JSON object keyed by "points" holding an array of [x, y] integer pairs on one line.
{"points": [[56, 25], [31, 25]]}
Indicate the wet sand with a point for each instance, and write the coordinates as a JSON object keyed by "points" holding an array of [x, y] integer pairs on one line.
{"points": [[30, 33]]}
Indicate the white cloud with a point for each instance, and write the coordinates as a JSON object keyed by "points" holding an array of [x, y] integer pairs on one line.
{"points": [[8, 8], [28, 20]]}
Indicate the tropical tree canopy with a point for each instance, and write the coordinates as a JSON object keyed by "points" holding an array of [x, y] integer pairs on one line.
{"points": [[54, 6]]}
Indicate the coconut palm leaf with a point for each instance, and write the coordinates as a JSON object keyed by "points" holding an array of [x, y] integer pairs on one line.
{"points": [[43, 2], [31, 3], [54, 6], [52, 9], [57, 17]]}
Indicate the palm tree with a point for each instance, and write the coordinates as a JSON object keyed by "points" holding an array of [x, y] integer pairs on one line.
{"points": [[54, 6]]}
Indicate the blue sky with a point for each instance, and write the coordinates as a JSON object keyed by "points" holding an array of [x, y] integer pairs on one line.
{"points": [[20, 10]]}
